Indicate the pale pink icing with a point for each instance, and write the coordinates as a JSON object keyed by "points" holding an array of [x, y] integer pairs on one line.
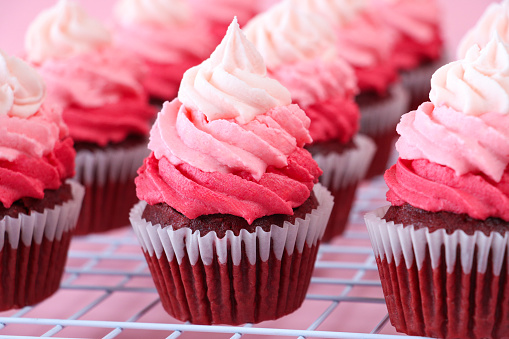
{"points": [[466, 144], [249, 167], [62, 31], [494, 19], [167, 40], [22, 90], [101, 96], [416, 25], [218, 14], [233, 82], [326, 93], [35, 154], [433, 187]]}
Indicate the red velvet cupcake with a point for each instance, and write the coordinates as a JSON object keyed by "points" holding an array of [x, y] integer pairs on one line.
{"points": [[442, 247], [231, 215], [99, 90], [38, 205], [300, 51]]}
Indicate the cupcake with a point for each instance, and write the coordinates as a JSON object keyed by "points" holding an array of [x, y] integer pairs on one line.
{"points": [[231, 214], [218, 14], [442, 246], [103, 103], [366, 43], [166, 37], [494, 18], [300, 52], [39, 206], [419, 48]]}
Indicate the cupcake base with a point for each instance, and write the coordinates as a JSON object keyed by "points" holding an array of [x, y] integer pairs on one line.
{"points": [[344, 166], [440, 284], [236, 279], [379, 117], [34, 251], [108, 176]]}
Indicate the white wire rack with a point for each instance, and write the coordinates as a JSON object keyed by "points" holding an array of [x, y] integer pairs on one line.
{"points": [[107, 292]]}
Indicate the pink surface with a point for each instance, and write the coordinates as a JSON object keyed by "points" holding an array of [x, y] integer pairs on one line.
{"points": [[459, 15]]}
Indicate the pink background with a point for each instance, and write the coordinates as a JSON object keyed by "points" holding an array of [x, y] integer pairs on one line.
{"points": [[15, 15]]}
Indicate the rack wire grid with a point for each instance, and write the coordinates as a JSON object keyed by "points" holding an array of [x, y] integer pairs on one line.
{"points": [[107, 292]]}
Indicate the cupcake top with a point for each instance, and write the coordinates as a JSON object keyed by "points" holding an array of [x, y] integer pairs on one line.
{"points": [[36, 152], [97, 86], [494, 18], [454, 150], [416, 25], [166, 36], [364, 41], [232, 141], [300, 51]]}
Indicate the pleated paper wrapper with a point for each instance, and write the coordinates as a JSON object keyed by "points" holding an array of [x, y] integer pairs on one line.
{"points": [[379, 120], [442, 285], [108, 176], [34, 251], [341, 175], [233, 280]]}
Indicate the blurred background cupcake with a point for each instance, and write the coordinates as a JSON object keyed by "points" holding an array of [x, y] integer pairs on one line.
{"points": [[104, 104], [166, 36], [419, 48], [300, 51], [231, 215], [367, 44], [442, 246], [218, 14], [39, 206]]}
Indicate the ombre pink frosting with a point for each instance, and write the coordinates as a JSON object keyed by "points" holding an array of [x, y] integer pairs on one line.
{"points": [[249, 170], [36, 153], [245, 156], [416, 26], [101, 95], [325, 91], [453, 160]]}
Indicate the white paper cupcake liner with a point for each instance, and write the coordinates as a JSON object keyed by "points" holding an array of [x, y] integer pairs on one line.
{"points": [[183, 242], [51, 223], [397, 243], [113, 164], [341, 170], [383, 116]]}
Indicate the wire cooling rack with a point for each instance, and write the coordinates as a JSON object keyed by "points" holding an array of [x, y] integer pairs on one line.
{"points": [[107, 292]]}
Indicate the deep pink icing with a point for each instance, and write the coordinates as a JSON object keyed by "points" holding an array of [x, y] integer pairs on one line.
{"points": [[433, 187]]}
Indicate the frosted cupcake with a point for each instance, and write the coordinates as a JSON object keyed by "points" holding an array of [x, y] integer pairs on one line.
{"points": [[218, 14], [442, 246], [38, 205], [231, 215], [419, 49], [166, 37], [366, 43], [300, 52], [494, 19], [104, 104]]}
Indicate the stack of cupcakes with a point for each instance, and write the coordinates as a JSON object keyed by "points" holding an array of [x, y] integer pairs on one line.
{"points": [[166, 37], [39, 206], [104, 104], [300, 51], [442, 247], [366, 43], [231, 215]]}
